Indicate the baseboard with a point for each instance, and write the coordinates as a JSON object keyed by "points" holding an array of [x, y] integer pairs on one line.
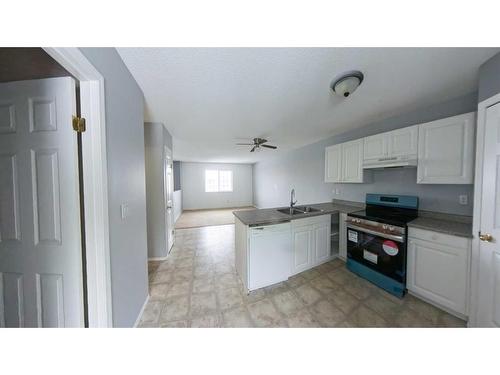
{"points": [[156, 259], [138, 320]]}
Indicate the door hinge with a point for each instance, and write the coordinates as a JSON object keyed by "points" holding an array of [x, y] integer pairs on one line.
{"points": [[79, 124]]}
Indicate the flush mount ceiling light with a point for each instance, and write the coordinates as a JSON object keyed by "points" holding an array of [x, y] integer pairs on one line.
{"points": [[345, 84]]}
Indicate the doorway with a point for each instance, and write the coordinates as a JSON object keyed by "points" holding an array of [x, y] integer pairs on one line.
{"points": [[168, 184], [41, 249], [44, 189]]}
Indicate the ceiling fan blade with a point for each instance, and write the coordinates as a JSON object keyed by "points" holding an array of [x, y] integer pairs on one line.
{"points": [[269, 146], [253, 148], [245, 144]]}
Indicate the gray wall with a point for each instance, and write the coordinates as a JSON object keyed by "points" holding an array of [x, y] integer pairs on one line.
{"points": [[177, 175], [489, 78], [303, 169], [194, 196], [126, 184], [155, 138]]}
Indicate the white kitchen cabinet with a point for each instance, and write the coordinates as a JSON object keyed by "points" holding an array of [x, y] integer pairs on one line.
{"points": [[311, 242], [344, 162], [303, 243], [333, 163], [446, 150], [322, 244], [394, 144], [342, 236], [403, 142], [438, 269], [375, 147], [352, 161]]}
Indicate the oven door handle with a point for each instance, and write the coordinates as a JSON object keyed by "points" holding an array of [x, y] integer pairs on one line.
{"points": [[383, 235]]}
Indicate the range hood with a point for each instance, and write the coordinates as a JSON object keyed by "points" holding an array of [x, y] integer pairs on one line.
{"points": [[404, 161]]}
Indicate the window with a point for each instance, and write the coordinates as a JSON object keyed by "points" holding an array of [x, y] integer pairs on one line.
{"points": [[218, 181], [225, 180]]}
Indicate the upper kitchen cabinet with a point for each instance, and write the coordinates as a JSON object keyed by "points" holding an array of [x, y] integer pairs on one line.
{"points": [[446, 150], [344, 162], [395, 148]]}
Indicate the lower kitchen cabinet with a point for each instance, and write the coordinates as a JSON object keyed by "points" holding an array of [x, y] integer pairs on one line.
{"points": [[311, 242], [438, 269]]}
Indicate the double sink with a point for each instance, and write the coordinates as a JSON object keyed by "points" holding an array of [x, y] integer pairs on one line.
{"points": [[298, 210]]}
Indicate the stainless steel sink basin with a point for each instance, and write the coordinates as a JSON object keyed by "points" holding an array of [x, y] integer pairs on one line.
{"points": [[299, 210], [307, 209]]}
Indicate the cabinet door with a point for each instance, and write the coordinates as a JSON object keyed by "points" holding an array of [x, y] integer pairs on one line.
{"points": [[375, 147], [302, 248], [352, 161], [322, 244], [446, 151], [342, 236], [333, 163], [439, 273], [403, 142]]}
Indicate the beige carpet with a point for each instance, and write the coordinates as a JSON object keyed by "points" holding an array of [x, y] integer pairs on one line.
{"points": [[205, 218]]}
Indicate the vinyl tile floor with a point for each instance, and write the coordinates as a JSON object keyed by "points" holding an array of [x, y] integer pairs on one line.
{"points": [[197, 286]]}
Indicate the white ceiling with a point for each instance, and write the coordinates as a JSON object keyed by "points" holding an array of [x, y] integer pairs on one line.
{"points": [[211, 98]]}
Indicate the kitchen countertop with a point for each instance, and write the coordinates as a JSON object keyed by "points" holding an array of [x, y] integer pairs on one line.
{"points": [[438, 222], [443, 224], [268, 216]]}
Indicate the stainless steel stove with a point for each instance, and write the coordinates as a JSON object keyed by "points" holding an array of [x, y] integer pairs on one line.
{"points": [[376, 240]]}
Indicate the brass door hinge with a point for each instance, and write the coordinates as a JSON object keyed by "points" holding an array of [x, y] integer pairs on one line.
{"points": [[79, 124]]}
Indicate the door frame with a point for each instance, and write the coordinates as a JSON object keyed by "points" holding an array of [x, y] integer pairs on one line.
{"points": [[478, 189], [95, 182], [167, 154]]}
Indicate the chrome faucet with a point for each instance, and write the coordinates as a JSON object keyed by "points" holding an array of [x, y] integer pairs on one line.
{"points": [[292, 199]]}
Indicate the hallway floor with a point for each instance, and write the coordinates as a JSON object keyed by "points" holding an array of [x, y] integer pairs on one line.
{"points": [[197, 286], [204, 218]]}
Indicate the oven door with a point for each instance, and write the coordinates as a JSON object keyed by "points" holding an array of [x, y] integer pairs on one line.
{"points": [[383, 253]]}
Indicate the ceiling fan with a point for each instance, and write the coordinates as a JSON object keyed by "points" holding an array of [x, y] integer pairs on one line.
{"points": [[257, 144]]}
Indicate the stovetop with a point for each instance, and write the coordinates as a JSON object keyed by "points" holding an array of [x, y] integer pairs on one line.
{"points": [[387, 215]]}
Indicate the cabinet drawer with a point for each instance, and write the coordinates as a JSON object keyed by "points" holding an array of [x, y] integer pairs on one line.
{"points": [[440, 238]]}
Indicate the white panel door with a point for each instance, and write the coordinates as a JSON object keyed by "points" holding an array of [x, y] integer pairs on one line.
{"points": [[322, 243], [333, 163], [488, 283], [40, 241], [403, 142], [439, 273], [446, 151], [375, 147], [302, 238], [168, 187], [352, 161]]}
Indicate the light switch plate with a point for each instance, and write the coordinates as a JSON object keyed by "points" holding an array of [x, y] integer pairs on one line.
{"points": [[124, 210]]}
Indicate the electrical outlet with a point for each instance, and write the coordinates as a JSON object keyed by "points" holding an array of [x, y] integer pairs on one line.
{"points": [[463, 200]]}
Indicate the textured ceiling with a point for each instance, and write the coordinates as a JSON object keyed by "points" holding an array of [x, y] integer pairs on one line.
{"points": [[211, 98]]}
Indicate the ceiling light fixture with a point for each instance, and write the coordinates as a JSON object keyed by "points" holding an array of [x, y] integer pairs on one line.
{"points": [[345, 84]]}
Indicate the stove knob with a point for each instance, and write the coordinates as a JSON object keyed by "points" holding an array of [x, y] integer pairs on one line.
{"points": [[384, 227], [391, 228]]}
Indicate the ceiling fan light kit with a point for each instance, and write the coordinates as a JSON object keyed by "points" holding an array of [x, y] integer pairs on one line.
{"points": [[257, 144]]}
